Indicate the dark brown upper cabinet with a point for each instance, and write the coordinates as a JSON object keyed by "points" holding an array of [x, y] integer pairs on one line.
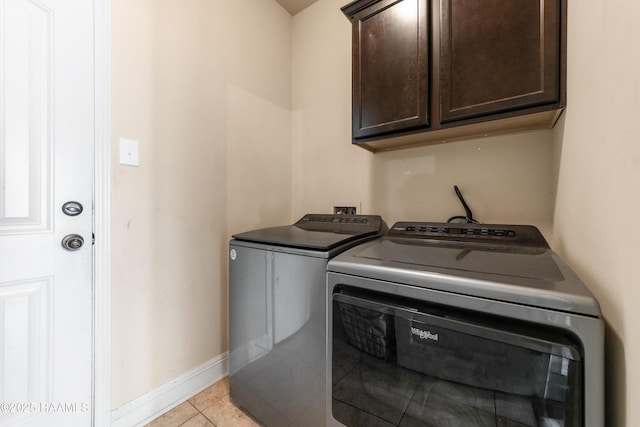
{"points": [[390, 68], [432, 71]]}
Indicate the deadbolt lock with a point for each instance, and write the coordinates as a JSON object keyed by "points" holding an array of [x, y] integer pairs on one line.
{"points": [[72, 208]]}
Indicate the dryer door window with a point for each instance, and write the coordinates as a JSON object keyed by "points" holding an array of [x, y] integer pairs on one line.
{"points": [[407, 363]]}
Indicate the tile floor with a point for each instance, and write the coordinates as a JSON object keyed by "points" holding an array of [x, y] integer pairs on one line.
{"points": [[209, 408]]}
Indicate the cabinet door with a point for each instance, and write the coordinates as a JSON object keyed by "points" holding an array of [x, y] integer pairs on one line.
{"points": [[498, 55], [390, 67]]}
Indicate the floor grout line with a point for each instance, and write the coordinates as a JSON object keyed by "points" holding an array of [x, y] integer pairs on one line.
{"points": [[199, 404], [199, 412]]}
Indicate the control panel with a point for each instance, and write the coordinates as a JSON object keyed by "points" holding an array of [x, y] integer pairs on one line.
{"points": [[525, 235], [335, 219]]}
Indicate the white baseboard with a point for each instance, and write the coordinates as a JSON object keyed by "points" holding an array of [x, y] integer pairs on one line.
{"points": [[151, 405]]}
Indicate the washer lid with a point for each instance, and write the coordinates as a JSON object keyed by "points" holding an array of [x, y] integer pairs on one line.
{"points": [[530, 274], [320, 232]]}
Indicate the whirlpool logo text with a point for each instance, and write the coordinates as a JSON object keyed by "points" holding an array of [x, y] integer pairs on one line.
{"points": [[424, 335]]}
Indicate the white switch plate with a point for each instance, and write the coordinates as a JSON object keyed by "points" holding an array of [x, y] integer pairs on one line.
{"points": [[129, 154]]}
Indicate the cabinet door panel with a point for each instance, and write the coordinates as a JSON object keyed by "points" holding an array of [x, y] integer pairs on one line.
{"points": [[498, 55], [390, 68]]}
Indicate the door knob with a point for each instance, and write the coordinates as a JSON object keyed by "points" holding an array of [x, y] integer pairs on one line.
{"points": [[72, 208], [72, 242]]}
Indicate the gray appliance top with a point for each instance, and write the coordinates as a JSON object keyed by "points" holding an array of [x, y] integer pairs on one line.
{"points": [[511, 263], [319, 232]]}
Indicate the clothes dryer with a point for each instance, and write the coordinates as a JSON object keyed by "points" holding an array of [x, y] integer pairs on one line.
{"points": [[461, 325]]}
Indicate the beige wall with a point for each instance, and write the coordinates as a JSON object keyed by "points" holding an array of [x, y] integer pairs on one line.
{"points": [[243, 115], [505, 179], [204, 86], [580, 183], [598, 144]]}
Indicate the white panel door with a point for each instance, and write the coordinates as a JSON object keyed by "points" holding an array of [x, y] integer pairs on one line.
{"points": [[46, 160]]}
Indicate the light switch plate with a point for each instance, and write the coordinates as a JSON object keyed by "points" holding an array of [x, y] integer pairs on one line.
{"points": [[129, 154]]}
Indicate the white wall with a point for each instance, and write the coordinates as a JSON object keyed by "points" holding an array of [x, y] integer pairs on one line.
{"points": [[598, 148], [205, 86]]}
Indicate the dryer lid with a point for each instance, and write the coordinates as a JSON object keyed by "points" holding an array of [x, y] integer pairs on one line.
{"points": [[512, 251], [495, 267]]}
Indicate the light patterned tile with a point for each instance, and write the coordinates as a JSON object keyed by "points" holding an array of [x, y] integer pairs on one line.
{"points": [[198, 421], [175, 417], [223, 413], [210, 395]]}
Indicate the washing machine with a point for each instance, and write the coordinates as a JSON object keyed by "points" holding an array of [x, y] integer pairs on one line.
{"points": [[464, 325], [277, 307]]}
